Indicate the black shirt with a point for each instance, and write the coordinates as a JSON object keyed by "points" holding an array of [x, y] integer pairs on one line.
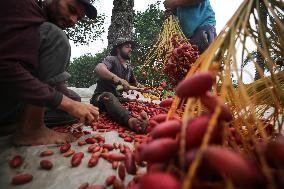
{"points": [[113, 65]]}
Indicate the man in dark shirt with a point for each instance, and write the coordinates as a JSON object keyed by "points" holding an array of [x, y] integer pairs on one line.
{"points": [[34, 54], [115, 70]]}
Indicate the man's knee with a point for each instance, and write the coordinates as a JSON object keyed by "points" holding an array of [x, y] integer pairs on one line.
{"points": [[54, 54], [53, 35], [52, 31]]}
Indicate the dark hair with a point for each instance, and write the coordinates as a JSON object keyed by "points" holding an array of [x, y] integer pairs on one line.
{"points": [[119, 42], [113, 52]]}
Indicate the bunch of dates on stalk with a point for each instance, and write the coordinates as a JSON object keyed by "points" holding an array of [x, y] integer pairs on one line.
{"points": [[136, 107], [166, 166], [180, 59]]}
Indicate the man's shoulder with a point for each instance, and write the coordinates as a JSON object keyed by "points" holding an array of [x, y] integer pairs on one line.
{"points": [[111, 59], [25, 12]]}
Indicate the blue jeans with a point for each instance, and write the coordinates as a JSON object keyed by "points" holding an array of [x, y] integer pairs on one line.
{"points": [[203, 36]]}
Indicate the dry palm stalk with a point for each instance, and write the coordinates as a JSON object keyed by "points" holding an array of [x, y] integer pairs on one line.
{"points": [[242, 149], [248, 102], [171, 56]]}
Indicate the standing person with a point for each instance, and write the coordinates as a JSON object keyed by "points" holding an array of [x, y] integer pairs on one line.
{"points": [[113, 71], [34, 54], [197, 20]]}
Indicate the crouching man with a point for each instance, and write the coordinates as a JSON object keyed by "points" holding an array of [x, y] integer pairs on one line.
{"points": [[113, 71]]}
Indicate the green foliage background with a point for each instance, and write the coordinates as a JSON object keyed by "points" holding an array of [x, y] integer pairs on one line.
{"points": [[82, 69], [147, 26], [87, 30]]}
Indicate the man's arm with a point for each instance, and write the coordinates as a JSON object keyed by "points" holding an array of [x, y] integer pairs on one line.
{"points": [[172, 4], [104, 73], [18, 83], [87, 113]]}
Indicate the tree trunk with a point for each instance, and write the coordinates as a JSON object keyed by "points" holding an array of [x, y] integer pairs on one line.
{"points": [[121, 21], [259, 59]]}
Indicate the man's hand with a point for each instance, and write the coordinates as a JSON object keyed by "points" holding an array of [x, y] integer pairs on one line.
{"points": [[87, 113], [140, 85], [125, 84]]}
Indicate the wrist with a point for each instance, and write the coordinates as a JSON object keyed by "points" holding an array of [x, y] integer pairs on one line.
{"points": [[115, 79], [66, 103]]}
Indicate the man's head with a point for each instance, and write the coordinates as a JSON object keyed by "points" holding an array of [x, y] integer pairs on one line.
{"points": [[66, 13], [123, 47]]}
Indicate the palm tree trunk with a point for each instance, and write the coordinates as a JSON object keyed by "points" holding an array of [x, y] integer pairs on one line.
{"points": [[121, 21], [259, 59]]}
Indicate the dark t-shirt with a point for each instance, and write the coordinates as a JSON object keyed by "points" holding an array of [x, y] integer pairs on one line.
{"points": [[113, 65]]}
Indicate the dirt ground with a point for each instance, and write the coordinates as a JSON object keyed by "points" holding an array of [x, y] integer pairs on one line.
{"points": [[62, 175]]}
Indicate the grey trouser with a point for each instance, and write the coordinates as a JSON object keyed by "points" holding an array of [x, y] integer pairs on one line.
{"points": [[112, 105], [54, 57], [54, 54]]}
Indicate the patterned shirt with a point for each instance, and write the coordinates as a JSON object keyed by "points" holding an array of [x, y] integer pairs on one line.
{"points": [[113, 65]]}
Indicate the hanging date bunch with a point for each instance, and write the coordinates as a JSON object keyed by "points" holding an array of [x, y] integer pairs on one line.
{"points": [[230, 135], [180, 59], [157, 57]]}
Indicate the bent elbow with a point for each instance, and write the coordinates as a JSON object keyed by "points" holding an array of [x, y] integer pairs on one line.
{"points": [[97, 68]]}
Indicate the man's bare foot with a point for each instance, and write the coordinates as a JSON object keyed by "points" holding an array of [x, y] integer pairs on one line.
{"points": [[40, 136], [139, 124]]}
